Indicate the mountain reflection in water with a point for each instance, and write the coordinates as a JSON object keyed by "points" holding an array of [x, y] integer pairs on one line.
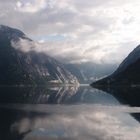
{"points": [[65, 113], [54, 95]]}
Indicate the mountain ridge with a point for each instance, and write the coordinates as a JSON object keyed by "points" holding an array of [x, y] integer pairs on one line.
{"points": [[126, 74], [19, 68]]}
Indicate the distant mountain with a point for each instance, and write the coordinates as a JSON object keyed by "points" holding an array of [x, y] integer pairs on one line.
{"points": [[128, 73], [18, 67], [88, 72]]}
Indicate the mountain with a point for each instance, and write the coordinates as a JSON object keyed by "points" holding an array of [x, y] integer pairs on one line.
{"points": [[88, 72], [128, 73], [19, 67]]}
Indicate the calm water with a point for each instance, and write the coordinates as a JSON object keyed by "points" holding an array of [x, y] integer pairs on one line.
{"points": [[69, 113]]}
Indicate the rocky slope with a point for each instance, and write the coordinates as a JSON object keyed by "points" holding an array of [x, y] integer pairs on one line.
{"points": [[128, 73], [18, 67]]}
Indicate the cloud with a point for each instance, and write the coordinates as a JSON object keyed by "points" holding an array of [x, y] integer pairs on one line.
{"points": [[107, 29], [25, 45], [30, 6]]}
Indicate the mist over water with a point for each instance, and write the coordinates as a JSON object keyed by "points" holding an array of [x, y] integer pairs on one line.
{"points": [[66, 113]]}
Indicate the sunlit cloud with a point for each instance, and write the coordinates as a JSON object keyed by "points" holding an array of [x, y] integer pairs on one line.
{"points": [[93, 30], [32, 6]]}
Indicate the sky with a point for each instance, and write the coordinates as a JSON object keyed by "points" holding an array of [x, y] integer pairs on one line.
{"points": [[76, 31]]}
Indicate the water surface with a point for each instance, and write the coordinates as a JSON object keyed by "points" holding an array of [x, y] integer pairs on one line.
{"points": [[68, 113]]}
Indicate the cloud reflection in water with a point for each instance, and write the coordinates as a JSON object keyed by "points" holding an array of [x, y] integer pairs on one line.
{"points": [[79, 123]]}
